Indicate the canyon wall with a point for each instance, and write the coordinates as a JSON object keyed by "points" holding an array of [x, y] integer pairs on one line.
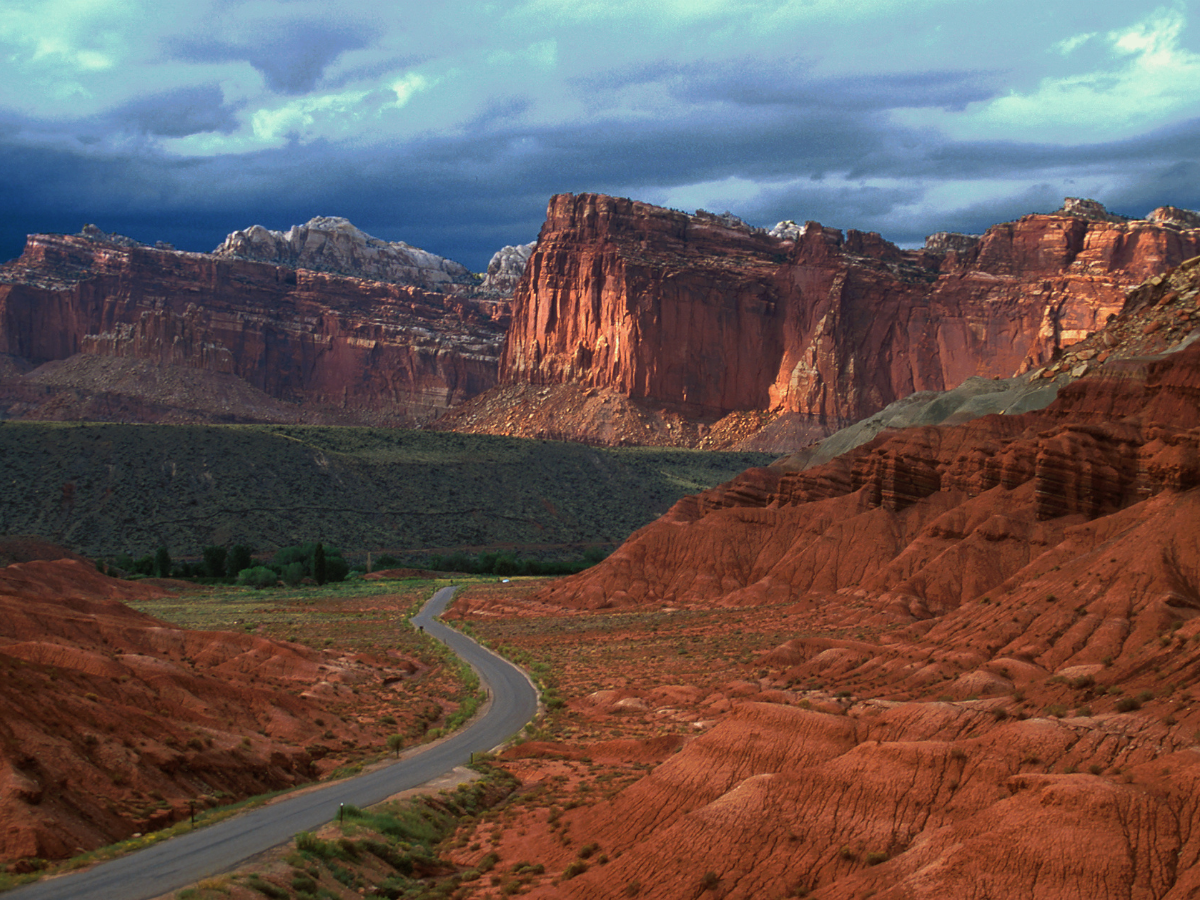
{"points": [[631, 324], [703, 316], [347, 349], [928, 518]]}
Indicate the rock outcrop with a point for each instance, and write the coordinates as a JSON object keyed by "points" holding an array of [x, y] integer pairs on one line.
{"points": [[337, 349], [702, 315], [932, 507], [506, 267], [332, 244]]}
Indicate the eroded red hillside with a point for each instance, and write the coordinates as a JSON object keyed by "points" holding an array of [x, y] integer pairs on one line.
{"points": [[957, 661], [111, 721]]}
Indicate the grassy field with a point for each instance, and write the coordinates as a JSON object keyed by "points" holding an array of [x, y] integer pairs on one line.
{"points": [[105, 489]]}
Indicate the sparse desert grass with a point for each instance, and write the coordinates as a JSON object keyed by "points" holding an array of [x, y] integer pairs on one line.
{"points": [[351, 617], [575, 655], [362, 615]]}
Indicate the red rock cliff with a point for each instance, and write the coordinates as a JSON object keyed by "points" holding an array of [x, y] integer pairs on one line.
{"points": [[361, 350], [704, 317]]}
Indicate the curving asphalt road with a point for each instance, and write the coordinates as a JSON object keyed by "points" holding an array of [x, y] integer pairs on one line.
{"points": [[218, 848]]}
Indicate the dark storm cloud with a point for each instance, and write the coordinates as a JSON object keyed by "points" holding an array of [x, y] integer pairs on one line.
{"points": [[763, 86], [748, 83], [1142, 160], [777, 122], [465, 195], [291, 56], [178, 113]]}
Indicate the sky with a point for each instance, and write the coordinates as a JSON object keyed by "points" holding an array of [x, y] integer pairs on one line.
{"points": [[450, 124]]}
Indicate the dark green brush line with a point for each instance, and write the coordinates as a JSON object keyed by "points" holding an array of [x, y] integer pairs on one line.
{"points": [[106, 489]]}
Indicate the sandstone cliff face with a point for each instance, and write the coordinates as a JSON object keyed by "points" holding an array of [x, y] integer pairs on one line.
{"points": [[333, 244], [704, 316], [1110, 441], [349, 350]]}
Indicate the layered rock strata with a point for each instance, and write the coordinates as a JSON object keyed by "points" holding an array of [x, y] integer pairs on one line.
{"points": [[1109, 442], [983, 678], [342, 350], [703, 315]]}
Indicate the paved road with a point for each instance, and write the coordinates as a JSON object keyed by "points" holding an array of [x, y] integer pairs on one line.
{"points": [[218, 848]]}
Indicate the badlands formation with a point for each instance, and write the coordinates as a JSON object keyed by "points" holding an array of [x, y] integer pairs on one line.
{"points": [[965, 661], [114, 723]]}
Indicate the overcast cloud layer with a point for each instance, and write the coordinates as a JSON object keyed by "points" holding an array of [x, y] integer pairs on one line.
{"points": [[449, 125]]}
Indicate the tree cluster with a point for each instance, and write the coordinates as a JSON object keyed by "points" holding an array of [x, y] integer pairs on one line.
{"points": [[291, 565], [503, 564]]}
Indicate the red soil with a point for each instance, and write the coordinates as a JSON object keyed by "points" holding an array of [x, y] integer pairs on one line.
{"points": [[954, 662], [111, 721]]}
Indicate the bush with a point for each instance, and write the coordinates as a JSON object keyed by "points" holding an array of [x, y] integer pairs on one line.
{"points": [[258, 577], [336, 569], [578, 867], [1128, 704], [303, 884], [292, 574], [274, 891]]}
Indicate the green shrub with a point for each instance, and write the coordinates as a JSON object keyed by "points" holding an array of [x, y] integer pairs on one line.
{"points": [[292, 574], [241, 556], [303, 884], [578, 867], [258, 577], [266, 888]]}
